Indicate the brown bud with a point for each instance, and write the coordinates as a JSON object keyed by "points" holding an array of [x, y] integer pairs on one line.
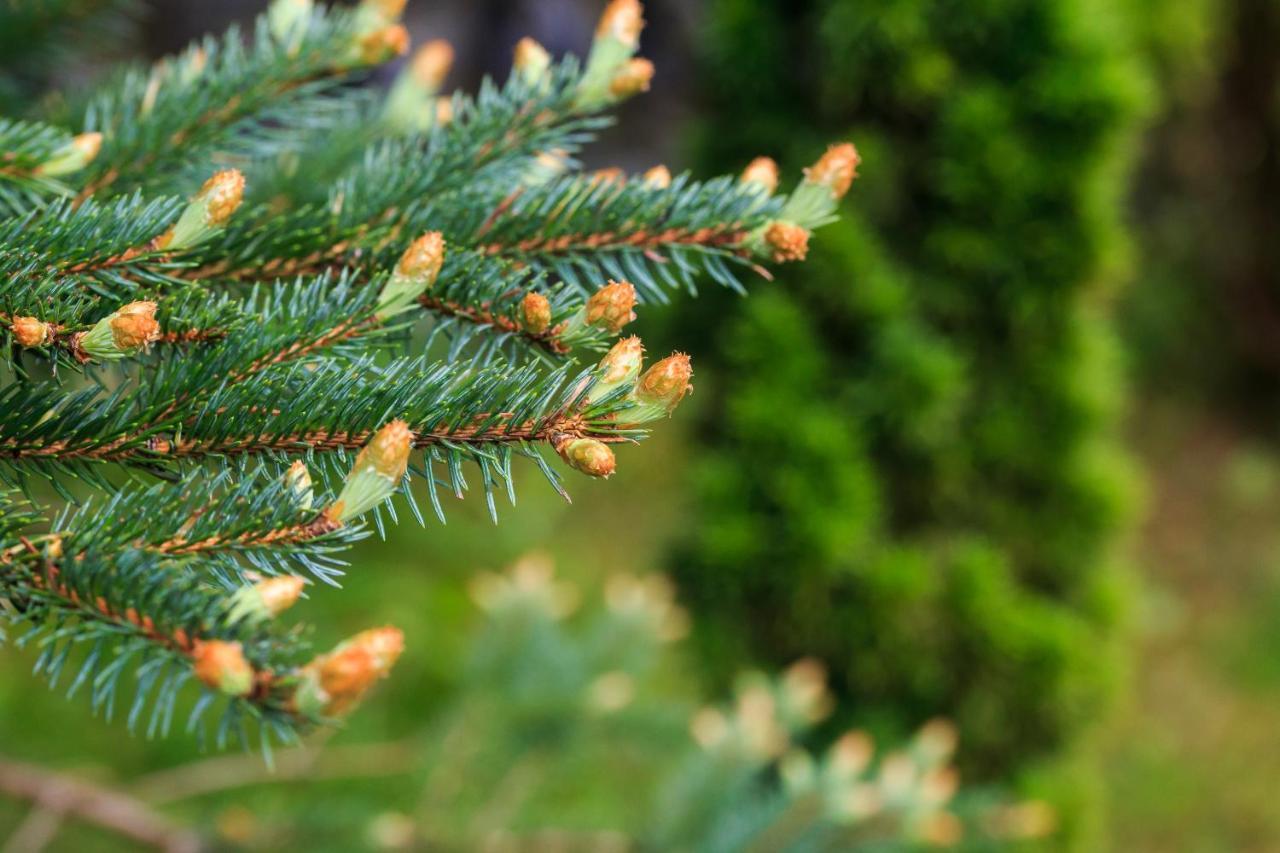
{"points": [[622, 20], [591, 457], [632, 79], [222, 195], [222, 666], [611, 306], [623, 361], [666, 383], [423, 259], [279, 594], [387, 452], [789, 241], [531, 58], [658, 177], [535, 313], [30, 332], [336, 681], [431, 64], [762, 171], [611, 175], [444, 110], [383, 44], [836, 169], [134, 326]]}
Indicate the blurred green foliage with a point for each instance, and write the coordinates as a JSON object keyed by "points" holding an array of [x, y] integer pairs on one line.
{"points": [[909, 462]]}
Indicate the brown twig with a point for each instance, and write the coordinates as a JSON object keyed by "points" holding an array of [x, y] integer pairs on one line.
{"points": [[58, 795]]}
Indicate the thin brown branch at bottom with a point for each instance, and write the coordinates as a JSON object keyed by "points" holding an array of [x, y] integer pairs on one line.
{"points": [[111, 810]]}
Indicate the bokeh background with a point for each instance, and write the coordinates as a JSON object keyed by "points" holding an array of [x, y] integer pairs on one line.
{"points": [[1003, 451]]}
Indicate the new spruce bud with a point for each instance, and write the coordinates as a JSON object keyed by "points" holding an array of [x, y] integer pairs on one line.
{"points": [[617, 39], [381, 45], [31, 332], [622, 21], [619, 367], [532, 61], [814, 201], [836, 169], [633, 78], [333, 683], [611, 306], [591, 457], [415, 273], [266, 599], [661, 389], [208, 211], [72, 157], [762, 172], [377, 472], [222, 666], [659, 177], [535, 313], [444, 110], [787, 241], [298, 481], [121, 334], [411, 106]]}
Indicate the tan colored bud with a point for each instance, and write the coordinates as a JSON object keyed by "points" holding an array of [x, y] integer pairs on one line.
{"points": [[622, 20], [298, 481], [431, 64], [30, 332], [762, 171], [531, 58], [787, 241], [387, 452], [134, 326], [383, 44], [632, 79], [222, 195], [279, 594], [591, 457], [72, 157], [658, 177], [222, 666], [444, 110], [836, 169], [609, 176], [535, 313], [666, 383], [611, 306], [333, 683], [623, 361], [424, 258]]}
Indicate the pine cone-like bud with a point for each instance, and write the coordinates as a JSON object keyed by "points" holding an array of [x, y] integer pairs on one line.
{"points": [[72, 157], [611, 306], [378, 470], [836, 169], [531, 60], [266, 599], [334, 683], [222, 666], [431, 64], [633, 78], [416, 272], [298, 481], [535, 313], [444, 110], [622, 21], [31, 332], [762, 171], [383, 44], [209, 210], [134, 326], [620, 366], [658, 177], [663, 386], [591, 457], [787, 241]]}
